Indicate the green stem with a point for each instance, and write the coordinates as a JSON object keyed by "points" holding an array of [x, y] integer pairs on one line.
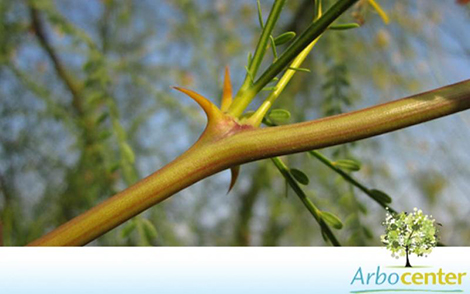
{"points": [[263, 41], [323, 159], [262, 44], [311, 33], [314, 211], [180, 173], [259, 114], [225, 145], [64, 75]]}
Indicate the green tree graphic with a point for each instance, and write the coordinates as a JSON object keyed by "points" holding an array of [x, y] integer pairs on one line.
{"points": [[407, 233]]}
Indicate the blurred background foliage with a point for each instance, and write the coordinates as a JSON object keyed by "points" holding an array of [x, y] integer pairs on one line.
{"points": [[86, 109]]}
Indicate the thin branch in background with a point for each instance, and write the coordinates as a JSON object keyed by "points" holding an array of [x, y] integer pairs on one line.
{"points": [[246, 206], [38, 28]]}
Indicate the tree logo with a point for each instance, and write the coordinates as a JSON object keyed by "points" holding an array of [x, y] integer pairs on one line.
{"points": [[407, 233]]}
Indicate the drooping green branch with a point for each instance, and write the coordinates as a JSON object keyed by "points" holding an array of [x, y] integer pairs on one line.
{"points": [[312, 208], [74, 88], [225, 143], [309, 35], [376, 195]]}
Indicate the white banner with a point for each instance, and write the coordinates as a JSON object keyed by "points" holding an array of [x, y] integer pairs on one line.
{"points": [[230, 270]]}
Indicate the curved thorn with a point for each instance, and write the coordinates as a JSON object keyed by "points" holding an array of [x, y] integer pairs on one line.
{"points": [[235, 171], [212, 112], [227, 92]]}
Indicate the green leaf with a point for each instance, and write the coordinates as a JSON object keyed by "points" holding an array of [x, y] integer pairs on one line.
{"points": [[273, 46], [300, 176], [128, 229], [279, 115], [102, 118], [250, 58], [268, 122], [273, 81], [362, 208], [249, 74], [269, 89], [114, 167], [348, 164], [127, 152], [88, 66], [94, 98], [368, 233], [104, 135], [380, 196], [260, 14], [247, 114], [284, 38], [345, 26], [332, 220], [149, 229], [299, 69]]}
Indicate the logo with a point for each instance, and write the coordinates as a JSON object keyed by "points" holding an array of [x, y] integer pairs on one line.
{"points": [[408, 234]]}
